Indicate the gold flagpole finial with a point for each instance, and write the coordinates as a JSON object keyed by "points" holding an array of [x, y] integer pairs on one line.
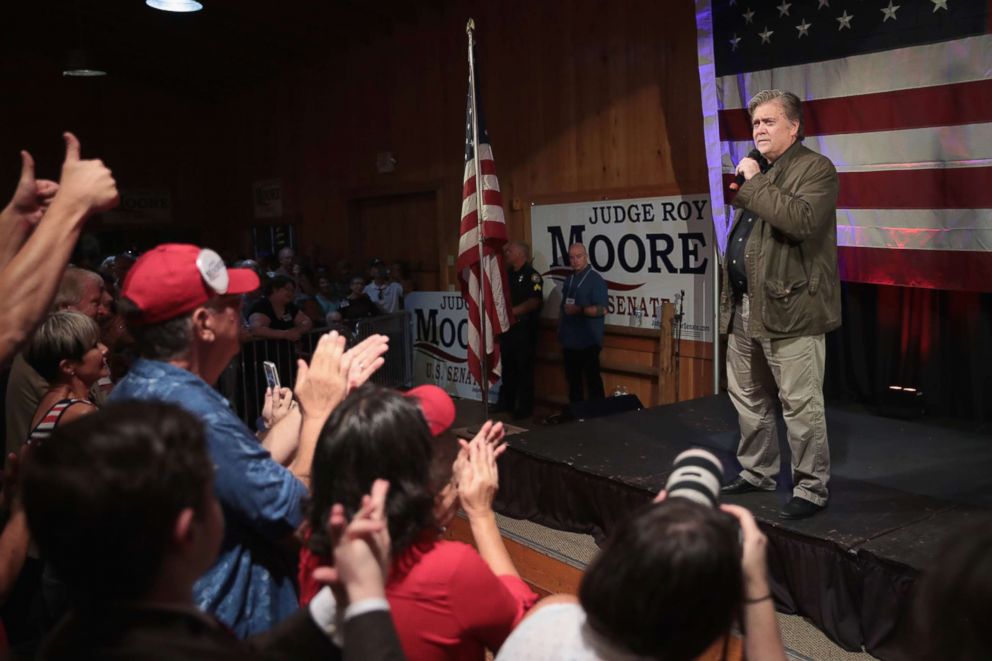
{"points": [[470, 26]]}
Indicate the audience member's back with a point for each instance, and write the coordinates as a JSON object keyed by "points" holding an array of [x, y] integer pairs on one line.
{"points": [[100, 495]]}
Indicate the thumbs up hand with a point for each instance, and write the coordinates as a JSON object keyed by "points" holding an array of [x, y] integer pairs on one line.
{"points": [[87, 184], [32, 196]]}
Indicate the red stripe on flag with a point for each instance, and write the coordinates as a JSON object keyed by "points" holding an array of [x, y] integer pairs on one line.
{"points": [[942, 188], [939, 105], [929, 269], [935, 188]]}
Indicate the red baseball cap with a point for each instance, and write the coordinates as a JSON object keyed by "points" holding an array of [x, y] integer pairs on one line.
{"points": [[175, 278], [436, 405]]}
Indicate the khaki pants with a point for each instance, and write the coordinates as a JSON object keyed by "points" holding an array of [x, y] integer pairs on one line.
{"points": [[792, 367]]}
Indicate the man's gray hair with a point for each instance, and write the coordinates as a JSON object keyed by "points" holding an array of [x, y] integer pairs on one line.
{"points": [[72, 286], [791, 106], [164, 341], [62, 336]]}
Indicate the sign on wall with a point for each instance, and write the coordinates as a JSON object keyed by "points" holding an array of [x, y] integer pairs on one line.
{"points": [[267, 198], [149, 206], [648, 250], [439, 327]]}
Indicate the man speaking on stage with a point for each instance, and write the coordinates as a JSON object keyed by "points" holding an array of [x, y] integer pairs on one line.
{"points": [[780, 294]]}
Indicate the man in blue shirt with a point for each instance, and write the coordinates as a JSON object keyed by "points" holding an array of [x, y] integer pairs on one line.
{"points": [[581, 324], [184, 309]]}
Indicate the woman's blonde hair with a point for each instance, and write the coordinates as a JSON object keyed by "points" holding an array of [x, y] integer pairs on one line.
{"points": [[62, 336]]}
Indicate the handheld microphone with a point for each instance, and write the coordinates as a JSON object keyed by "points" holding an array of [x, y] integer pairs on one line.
{"points": [[739, 181]]}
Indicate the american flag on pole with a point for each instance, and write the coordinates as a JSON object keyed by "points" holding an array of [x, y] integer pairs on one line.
{"points": [[498, 315], [898, 94]]}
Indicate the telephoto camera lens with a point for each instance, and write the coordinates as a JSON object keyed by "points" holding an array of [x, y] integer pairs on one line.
{"points": [[697, 475]]}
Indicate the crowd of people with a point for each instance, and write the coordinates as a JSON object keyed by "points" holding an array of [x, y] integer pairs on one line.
{"points": [[144, 519], [326, 297]]}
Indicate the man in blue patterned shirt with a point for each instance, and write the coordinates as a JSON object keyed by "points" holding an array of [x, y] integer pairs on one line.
{"points": [[183, 308]]}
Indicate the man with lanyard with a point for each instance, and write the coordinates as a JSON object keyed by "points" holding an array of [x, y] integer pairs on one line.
{"points": [[517, 345], [581, 325]]}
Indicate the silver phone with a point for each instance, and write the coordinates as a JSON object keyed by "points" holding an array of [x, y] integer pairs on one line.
{"points": [[271, 374]]}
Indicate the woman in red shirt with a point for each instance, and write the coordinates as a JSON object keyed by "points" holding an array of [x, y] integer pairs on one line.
{"points": [[448, 601]]}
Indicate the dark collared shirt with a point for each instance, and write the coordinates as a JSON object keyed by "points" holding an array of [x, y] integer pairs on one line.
{"points": [[736, 247]]}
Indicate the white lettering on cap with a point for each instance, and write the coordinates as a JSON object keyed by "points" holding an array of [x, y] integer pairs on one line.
{"points": [[213, 270]]}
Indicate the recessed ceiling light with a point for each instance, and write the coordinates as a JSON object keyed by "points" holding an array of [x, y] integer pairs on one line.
{"points": [[175, 5]]}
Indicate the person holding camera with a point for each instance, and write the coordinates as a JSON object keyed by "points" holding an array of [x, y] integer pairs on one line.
{"points": [[669, 583]]}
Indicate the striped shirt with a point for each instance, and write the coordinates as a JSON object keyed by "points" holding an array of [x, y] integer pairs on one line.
{"points": [[51, 420]]}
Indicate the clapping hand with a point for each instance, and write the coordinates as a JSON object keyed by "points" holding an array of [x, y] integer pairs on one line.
{"points": [[478, 476], [321, 385], [366, 358], [361, 550]]}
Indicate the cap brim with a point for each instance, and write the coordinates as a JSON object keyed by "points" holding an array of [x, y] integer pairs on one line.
{"points": [[242, 281]]}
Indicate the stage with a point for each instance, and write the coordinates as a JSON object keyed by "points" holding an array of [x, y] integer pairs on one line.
{"points": [[897, 489]]}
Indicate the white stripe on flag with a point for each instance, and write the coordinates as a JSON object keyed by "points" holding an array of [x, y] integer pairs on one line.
{"points": [[944, 63], [945, 229], [966, 145]]}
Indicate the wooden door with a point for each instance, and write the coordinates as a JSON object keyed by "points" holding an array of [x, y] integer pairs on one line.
{"points": [[398, 228]]}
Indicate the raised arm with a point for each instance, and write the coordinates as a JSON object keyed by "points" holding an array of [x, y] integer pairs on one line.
{"points": [[762, 639], [282, 421], [25, 210], [30, 278], [797, 214], [478, 481]]}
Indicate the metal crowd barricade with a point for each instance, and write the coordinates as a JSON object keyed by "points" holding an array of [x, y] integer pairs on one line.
{"points": [[397, 372], [243, 382]]}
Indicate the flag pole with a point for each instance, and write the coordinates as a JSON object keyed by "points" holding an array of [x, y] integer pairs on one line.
{"points": [[717, 271], [483, 349]]}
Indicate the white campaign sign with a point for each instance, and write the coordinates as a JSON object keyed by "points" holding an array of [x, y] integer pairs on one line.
{"points": [[439, 327], [647, 249]]}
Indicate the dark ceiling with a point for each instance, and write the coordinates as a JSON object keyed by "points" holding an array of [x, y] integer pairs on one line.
{"points": [[208, 53]]}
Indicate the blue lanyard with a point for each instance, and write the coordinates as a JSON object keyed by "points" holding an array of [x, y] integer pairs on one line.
{"points": [[571, 278]]}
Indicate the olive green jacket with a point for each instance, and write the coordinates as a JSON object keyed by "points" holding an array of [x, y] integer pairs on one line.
{"points": [[791, 255]]}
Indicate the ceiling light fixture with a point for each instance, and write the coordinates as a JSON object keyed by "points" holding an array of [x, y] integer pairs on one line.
{"points": [[183, 6], [78, 64]]}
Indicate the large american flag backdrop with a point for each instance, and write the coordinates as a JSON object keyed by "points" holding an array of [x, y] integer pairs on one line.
{"points": [[898, 94], [497, 316]]}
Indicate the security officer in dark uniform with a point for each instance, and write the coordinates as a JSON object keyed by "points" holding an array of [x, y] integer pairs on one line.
{"points": [[517, 345]]}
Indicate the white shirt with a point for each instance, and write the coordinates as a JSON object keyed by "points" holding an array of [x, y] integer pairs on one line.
{"points": [[558, 632], [387, 296]]}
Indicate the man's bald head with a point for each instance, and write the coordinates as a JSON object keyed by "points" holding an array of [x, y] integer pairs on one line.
{"points": [[516, 253], [577, 256]]}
